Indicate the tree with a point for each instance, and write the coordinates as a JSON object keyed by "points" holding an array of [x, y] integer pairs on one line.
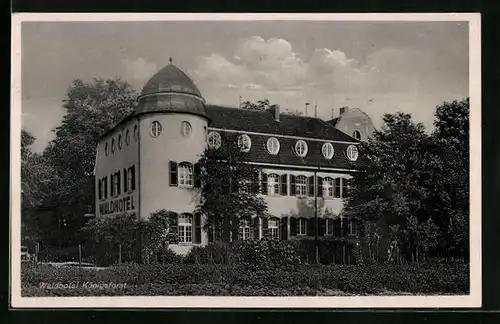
{"points": [[157, 232], [393, 185], [229, 191], [259, 105]]}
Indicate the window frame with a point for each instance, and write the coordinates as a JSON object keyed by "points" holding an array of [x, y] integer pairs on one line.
{"points": [[323, 149], [185, 175], [352, 149], [301, 186], [302, 221], [328, 185], [273, 181], [155, 129], [185, 228], [273, 149], [244, 231], [185, 125], [358, 133], [301, 148], [214, 140], [274, 230], [241, 139]]}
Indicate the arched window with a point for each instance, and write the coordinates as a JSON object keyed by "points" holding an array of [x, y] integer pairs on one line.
{"points": [[301, 226], [214, 140], [352, 152], [273, 226], [156, 128], [106, 149], [301, 148], [120, 141], [244, 231], [127, 137], [328, 186], [357, 135], [273, 184], [185, 228], [186, 128], [136, 133], [273, 145], [185, 170], [301, 186], [244, 143], [327, 150], [113, 146]]}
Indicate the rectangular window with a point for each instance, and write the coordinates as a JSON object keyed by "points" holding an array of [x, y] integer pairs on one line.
{"points": [[185, 171], [328, 186], [244, 232], [329, 226], [273, 184], [337, 188], [273, 227], [185, 228], [301, 226], [301, 186], [131, 177]]}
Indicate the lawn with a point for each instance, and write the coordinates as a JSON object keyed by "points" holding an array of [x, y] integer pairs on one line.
{"points": [[224, 280]]}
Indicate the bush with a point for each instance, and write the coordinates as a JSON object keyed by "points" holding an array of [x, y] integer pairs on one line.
{"points": [[267, 255], [336, 250], [213, 253]]}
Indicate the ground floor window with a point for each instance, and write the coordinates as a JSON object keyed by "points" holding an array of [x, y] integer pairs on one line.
{"points": [[301, 226], [244, 231], [273, 227], [185, 228], [329, 226]]}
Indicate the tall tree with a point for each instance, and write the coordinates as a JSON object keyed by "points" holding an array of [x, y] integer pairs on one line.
{"points": [[229, 188], [259, 105], [391, 188]]}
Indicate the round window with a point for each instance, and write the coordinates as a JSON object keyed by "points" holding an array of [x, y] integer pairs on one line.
{"points": [[127, 137], [120, 141], [186, 128], [244, 143], [301, 148], [273, 145], [214, 140], [327, 150], [352, 152], [136, 132], [155, 128]]}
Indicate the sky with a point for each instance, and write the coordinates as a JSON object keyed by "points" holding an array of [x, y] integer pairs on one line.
{"points": [[379, 67]]}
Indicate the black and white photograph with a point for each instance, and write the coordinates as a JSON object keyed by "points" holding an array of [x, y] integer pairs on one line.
{"points": [[246, 160]]}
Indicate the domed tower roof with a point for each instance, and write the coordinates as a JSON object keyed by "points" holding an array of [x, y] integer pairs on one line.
{"points": [[171, 90]]}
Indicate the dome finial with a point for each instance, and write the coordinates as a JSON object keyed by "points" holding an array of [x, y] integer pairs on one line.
{"points": [[170, 60]]}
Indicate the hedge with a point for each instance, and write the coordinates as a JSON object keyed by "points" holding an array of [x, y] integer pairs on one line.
{"points": [[228, 280]]}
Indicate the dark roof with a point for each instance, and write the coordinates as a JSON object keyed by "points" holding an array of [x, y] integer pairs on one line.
{"points": [[171, 79], [333, 122], [261, 121]]}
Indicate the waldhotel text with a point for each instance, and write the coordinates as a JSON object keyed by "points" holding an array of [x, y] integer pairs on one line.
{"points": [[85, 285]]}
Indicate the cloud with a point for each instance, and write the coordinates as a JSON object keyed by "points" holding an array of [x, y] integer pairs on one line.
{"points": [[138, 71]]}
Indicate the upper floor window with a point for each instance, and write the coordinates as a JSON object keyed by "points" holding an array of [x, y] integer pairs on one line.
{"points": [[328, 186], [214, 140], [301, 186], [273, 184], [129, 179], [244, 231], [127, 137], [273, 227], [185, 228], [185, 170], [327, 150], [156, 128], [301, 226], [352, 152], [244, 143], [205, 133], [106, 148], [113, 146], [273, 145], [120, 141], [186, 128], [136, 132], [301, 148], [357, 135]]}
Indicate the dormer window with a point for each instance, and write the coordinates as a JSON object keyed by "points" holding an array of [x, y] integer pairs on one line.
{"points": [[357, 135], [301, 148], [327, 150], [244, 143], [352, 152], [214, 140], [273, 145]]}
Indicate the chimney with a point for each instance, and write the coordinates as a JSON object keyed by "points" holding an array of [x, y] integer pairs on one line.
{"points": [[275, 110], [343, 110]]}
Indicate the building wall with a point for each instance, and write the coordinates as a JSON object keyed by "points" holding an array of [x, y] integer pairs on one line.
{"points": [[353, 119], [123, 157], [155, 155]]}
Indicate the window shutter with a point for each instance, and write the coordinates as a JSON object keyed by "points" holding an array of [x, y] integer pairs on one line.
{"points": [[197, 228], [118, 182], [265, 227], [337, 188], [125, 181], [99, 185], [345, 227], [336, 227], [197, 174], [284, 228], [344, 187], [105, 187], [322, 227], [292, 185], [320, 186], [311, 186], [112, 180], [173, 173], [293, 226], [284, 184], [174, 228], [211, 233], [132, 170], [255, 225], [264, 184], [311, 227]]}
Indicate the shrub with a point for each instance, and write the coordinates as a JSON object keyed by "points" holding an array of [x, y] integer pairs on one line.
{"points": [[213, 253], [331, 250], [268, 255]]}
